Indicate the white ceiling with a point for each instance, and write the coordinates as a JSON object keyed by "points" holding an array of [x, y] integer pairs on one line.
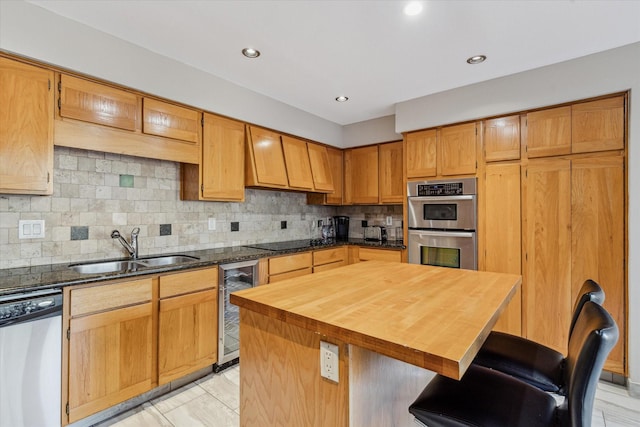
{"points": [[313, 51]]}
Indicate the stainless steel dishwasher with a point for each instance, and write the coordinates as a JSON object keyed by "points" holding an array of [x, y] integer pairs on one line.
{"points": [[30, 359], [232, 277]]}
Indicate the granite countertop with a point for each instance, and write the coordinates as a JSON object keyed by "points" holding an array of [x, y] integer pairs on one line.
{"points": [[41, 277]]}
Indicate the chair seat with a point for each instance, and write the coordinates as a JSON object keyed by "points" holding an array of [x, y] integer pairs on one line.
{"points": [[483, 398], [526, 360]]}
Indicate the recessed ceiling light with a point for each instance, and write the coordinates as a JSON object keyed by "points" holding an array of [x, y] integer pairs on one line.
{"points": [[342, 98], [477, 59], [250, 52], [413, 8]]}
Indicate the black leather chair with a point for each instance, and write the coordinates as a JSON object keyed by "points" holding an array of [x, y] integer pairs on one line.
{"points": [[488, 398], [531, 362]]}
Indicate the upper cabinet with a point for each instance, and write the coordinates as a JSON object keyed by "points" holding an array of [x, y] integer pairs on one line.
{"points": [[26, 128], [450, 150], [220, 174], [296, 158], [549, 132], [321, 168], [501, 139], [373, 174], [265, 166], [97, 103], [100, 117], [335, 160], [171, 121]]}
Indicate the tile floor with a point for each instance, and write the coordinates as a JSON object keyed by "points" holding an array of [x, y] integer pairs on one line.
{"points": [[213, 401]]}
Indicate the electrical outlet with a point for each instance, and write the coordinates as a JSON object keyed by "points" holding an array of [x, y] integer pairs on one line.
{"points": [[389, 220], [212, 224], [329, 361]]}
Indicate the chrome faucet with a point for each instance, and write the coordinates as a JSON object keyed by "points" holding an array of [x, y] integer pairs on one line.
{"points": [[131, 248]]}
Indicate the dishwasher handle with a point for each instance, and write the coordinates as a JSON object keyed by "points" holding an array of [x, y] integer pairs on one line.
{"points": [[35, 315]]}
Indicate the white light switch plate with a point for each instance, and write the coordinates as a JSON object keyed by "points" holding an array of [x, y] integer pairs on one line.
{"points": [[212, 223], [329, 361], [31, 229], [389, 220]]}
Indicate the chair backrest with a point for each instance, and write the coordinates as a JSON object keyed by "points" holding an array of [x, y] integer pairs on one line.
{"points": [[590, 291], [593, 337]]}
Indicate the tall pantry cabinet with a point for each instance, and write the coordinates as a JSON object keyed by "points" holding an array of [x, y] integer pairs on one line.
{"points": [[573, 221]]}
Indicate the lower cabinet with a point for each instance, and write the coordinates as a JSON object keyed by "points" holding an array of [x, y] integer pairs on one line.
{"points": [[124, 338], [374, 254], [328, 259], [289, 266]]}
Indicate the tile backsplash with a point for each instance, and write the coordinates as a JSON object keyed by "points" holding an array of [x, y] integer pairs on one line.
{"points": [[95, 193]]}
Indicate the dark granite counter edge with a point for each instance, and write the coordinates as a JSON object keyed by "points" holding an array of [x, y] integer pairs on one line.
{"points": [[54, 276]]}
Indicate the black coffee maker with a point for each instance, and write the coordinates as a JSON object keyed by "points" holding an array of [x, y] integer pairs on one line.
{"points": [[341, 226]]}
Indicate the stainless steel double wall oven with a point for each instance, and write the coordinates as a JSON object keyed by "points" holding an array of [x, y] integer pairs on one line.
{"points": [[442, 223]]}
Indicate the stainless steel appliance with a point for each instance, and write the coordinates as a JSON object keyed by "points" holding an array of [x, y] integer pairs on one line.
{"points": [[232, 277], [30, 359], [375, 232], [442, 223], [341, 225]]}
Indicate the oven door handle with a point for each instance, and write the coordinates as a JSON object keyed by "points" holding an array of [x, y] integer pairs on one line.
{"points": [[468, 234], [441, 198]]}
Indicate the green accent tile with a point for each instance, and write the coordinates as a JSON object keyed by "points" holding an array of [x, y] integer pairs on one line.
{"points": [[126, 181]]}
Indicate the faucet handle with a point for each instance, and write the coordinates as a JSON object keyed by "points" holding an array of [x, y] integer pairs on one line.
{"points": [[135, 231]]}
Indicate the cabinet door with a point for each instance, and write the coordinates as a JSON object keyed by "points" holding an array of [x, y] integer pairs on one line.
{"points": [[547, 243], [549, 132], [266, 159], [320, 167], [296, 157], [96, 103], [336, 167], [597, 125], [421, 153], [222, 165], [187, 334], [361, 175], [371, 254], [171, 121], [391, 182], [26, 128], [110, 358], [502, 139], [502, 237], [457, 151], [598, 230]]}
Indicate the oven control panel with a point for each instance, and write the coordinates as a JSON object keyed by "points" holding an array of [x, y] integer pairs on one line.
{"points": [[447, 189]]}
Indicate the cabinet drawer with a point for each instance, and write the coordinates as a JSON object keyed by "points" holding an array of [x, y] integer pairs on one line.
{"points": [[330, 266], [190, 281], [110, 296], [368, 254], [287, 263], [289, 275], [326, 256]]}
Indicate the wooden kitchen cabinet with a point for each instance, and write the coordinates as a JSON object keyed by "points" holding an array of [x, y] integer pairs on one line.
{"points": [[321, 168], [26, 128], [361, 175], [597, 125], [97, 103], [110, 348], [220, 174], [187, 323], [501, 139], [296, 157], [421, 153], [289, 266], [328, 259], [501, 243], [375, 254], [457, 150], [171, 121], [390, 179], [549, 132], [265, 157], [335, 158]]}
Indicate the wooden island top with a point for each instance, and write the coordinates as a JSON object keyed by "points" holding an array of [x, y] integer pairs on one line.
{"points": [[431, 317]]}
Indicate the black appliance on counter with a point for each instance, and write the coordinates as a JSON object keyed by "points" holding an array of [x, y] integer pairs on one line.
{"points": [[341, 227]]}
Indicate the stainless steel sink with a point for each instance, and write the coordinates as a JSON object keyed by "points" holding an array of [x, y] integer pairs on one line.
{"points": [[130, 265], [166, 260], [103, 267]]}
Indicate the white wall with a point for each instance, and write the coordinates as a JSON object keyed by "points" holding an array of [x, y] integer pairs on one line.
{"points": [[31, 31], [602, 73], [372, 131]]}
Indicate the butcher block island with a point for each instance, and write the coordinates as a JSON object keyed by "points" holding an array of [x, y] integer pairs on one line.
{"points": [[394, 325]]}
